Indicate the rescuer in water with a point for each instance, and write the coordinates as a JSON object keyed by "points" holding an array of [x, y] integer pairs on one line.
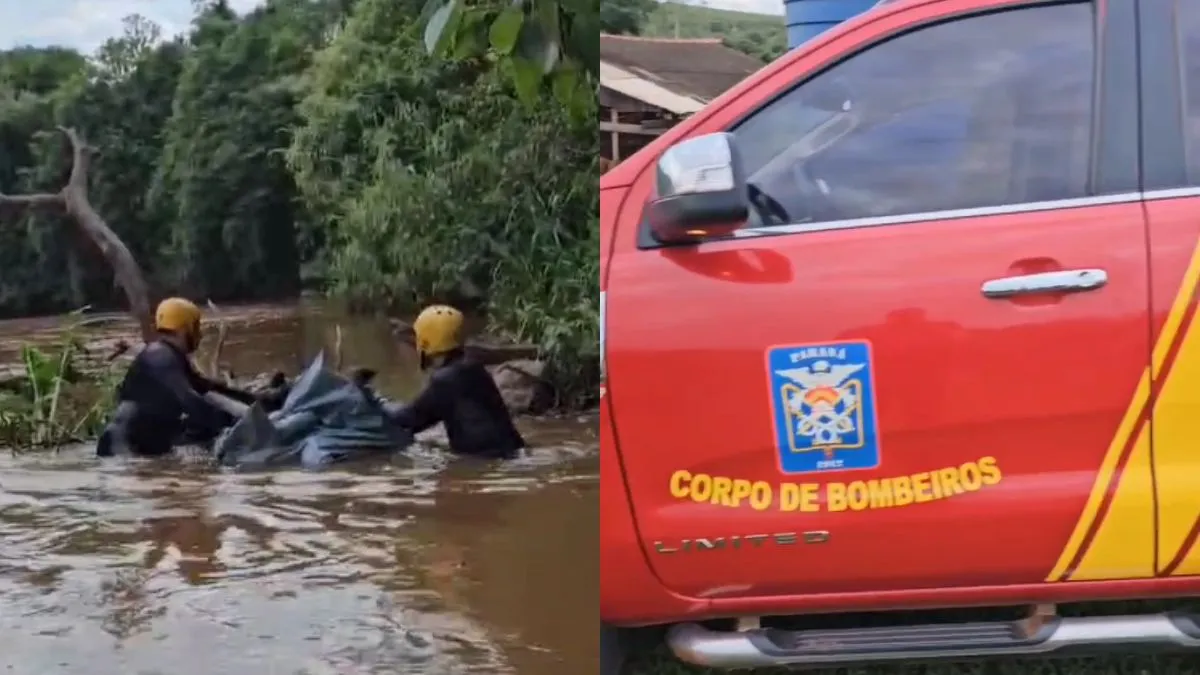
{"points": [[460, 392], [161, 400]]}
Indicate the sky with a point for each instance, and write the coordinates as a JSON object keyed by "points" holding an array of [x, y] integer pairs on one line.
{"points": [[85, 24], [760, 6]]}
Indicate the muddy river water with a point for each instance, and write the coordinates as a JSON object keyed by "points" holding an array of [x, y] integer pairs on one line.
{"points": [[417, 565]]}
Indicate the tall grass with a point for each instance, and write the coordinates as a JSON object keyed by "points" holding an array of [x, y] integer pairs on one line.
{"points": [[53, 402]]}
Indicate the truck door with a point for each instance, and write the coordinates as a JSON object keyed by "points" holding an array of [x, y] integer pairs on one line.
{"points": [[911, 367], [1171, 127]]}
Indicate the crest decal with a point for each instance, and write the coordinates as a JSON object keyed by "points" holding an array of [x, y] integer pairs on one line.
{"points": [[823, 400]]}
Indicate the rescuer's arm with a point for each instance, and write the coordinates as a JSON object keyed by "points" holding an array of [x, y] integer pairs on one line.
{"points": [[234, 393], [426, 410], [271, 399], [171, 372]]}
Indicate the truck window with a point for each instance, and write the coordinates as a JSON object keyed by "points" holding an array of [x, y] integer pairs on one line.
{"points": [[1188, 21], [978, 111]]}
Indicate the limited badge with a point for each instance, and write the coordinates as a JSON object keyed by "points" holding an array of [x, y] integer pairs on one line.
{"points": [[823, 400]]}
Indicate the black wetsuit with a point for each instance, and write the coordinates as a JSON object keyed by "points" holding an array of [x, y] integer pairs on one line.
{"points": [[462, 396], [161, 402]]}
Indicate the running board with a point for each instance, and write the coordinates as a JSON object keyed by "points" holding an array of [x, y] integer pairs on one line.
{"points": [[1052, 635]]}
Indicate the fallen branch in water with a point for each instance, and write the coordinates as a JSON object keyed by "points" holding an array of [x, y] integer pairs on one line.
{"points": [[214, 362], [120, 349], [337, 348], [73, 199], [98, 321]]}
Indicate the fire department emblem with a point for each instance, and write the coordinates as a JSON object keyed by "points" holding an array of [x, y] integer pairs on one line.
{"points": [[823, 400]]}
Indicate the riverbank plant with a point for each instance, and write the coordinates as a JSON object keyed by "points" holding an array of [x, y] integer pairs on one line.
{"points": [[52, 399]]}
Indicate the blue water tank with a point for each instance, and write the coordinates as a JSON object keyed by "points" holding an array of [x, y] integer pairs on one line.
{"points": [[808, 18]]}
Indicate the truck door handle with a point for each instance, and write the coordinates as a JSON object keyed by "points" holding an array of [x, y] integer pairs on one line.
{"points": [[1064, 281]]}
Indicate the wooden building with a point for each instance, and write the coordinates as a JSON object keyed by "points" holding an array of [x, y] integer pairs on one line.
{"points": [[649, 84]]}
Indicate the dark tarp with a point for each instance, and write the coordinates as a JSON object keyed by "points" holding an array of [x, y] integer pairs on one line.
{"points": [[325, 419]]}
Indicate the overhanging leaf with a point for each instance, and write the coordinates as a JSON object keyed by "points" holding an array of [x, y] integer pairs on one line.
{"points": [[440, 28], [527, 79], [564, 84], [471, 36], [506, 29], [547, 12], [572, 91], [584, 44], [535, 45]]}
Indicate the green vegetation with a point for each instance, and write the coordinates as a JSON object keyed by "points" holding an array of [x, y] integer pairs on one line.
{"points": [[760, 35], [52, 400], [763, 36], [533, 41], [312, 144], [625, 17]]}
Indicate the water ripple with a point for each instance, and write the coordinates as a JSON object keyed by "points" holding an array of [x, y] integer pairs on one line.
{"points": [[413, 567]]}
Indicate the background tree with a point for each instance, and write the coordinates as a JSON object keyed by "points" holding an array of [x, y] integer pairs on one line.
{"points": [[311, 144], [532, 42], [624, 17], [436, 183], [760, 35], [222, 177]]}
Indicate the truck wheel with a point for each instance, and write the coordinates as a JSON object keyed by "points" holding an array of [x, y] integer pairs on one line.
{"points": [[612, 650]]}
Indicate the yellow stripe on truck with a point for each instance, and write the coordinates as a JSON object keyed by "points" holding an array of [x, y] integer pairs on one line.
{"points": [[1123, 543], [1104, 477]]}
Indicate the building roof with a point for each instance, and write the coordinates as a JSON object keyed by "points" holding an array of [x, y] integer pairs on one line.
{"points": [[697, 69]]}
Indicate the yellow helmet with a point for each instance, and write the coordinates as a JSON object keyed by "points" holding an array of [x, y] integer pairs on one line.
{"points": [[178, 315], [438, 330]]}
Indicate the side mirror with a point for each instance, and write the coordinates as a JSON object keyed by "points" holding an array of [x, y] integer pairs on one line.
{"points": [[701, 191]]}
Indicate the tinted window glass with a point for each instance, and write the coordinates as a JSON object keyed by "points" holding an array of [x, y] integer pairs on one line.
{"points": [[1188, 13], [980, 111]]}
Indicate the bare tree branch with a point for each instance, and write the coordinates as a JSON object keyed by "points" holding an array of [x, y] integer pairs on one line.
{"points": [[33, 201], [73, 198]]}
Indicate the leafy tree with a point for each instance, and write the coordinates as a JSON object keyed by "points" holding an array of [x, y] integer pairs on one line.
{"points": [[34, 81], [222, 177], [38, 71], [119, 58], [760, 35], [318, 142], [624, 17], [439, 185], [530, 40]]}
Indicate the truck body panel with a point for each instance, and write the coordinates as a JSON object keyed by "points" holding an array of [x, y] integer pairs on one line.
{"points": [[996, 446], [985, 412], [1174, 236]]}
